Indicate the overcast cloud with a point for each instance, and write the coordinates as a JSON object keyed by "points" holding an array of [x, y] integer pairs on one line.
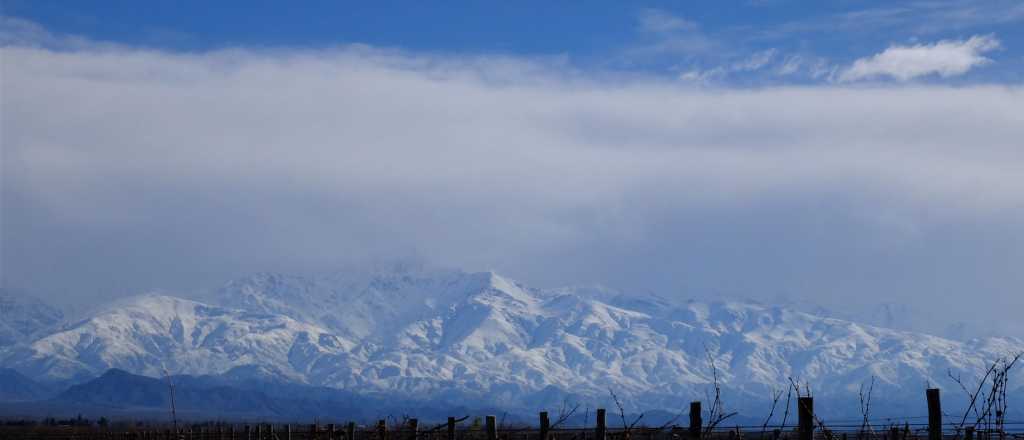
{"points": [[126, 170]]}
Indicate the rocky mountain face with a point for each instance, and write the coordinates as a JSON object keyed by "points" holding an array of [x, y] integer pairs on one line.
{"points": [[481, 339]]}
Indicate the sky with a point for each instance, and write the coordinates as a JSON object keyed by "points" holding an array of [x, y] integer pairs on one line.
{"points": [[842, 152]]}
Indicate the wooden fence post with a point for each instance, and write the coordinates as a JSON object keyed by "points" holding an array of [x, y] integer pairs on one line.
{"points": [[696, 421], [451, 428], [330, 431], [806, 417], [934, 414], [382, 430], [287, 432], [414, 427], [492, 429], [969, 433], [600, 429], [350, 431], [545, 426], [313, 431]]}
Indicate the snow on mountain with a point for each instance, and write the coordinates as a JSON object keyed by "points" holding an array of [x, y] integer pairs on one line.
{"points": [[363, 306], [23, 318], [481, 338], [427, 332], [148, 333]]}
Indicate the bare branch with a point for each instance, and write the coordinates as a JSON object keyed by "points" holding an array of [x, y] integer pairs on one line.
{"points": [[564, 413], [789, 395], [626, 428], [865, 409], [716, 414], [776, 395], [438, 427]]}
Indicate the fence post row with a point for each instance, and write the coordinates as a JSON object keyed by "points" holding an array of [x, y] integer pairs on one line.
{"points": [[934, 414], [696, 421], [806, 417]]}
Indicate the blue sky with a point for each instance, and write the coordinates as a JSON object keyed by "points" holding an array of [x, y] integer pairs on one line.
{"points": [[748, 42], [843, 152]]}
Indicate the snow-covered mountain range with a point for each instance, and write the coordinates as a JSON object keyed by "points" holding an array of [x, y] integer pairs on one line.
{"points": [[482, 338]]}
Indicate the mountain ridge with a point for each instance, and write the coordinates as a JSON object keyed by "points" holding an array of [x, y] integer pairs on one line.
{"points": [[486, 340]]}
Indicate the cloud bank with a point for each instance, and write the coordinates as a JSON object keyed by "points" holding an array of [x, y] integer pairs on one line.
{"points": [[945, 58], [128, 169]]}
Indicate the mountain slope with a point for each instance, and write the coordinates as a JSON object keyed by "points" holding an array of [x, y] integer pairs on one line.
{"points": [[493, 334], [118, 388], [117, 392], [151, 333], [484, 340], [15, 386]]}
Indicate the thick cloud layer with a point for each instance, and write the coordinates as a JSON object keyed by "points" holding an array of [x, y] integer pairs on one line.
{"points": [[126, 170]]}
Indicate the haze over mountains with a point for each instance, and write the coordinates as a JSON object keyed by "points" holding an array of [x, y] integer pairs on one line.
{"points": [[479, 340]]}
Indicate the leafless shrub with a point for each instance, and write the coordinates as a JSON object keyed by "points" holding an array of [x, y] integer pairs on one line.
{"points": [[989, 407], [671, 423], [828, 434], [717, 413], [796, 387], [438, 427], [174, 410], [627, 428], [398, 423], [865, 410], [789, 396], [776, 395], [565, 412]]}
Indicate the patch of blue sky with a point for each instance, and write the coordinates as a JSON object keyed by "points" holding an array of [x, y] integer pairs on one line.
{"points": [[752, 42]]}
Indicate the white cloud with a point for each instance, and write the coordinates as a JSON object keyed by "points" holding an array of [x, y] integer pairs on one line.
{"points": [[142, 168], [662, 22], [668, 34], [945, 58], [755, 61], [812, 67]]}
